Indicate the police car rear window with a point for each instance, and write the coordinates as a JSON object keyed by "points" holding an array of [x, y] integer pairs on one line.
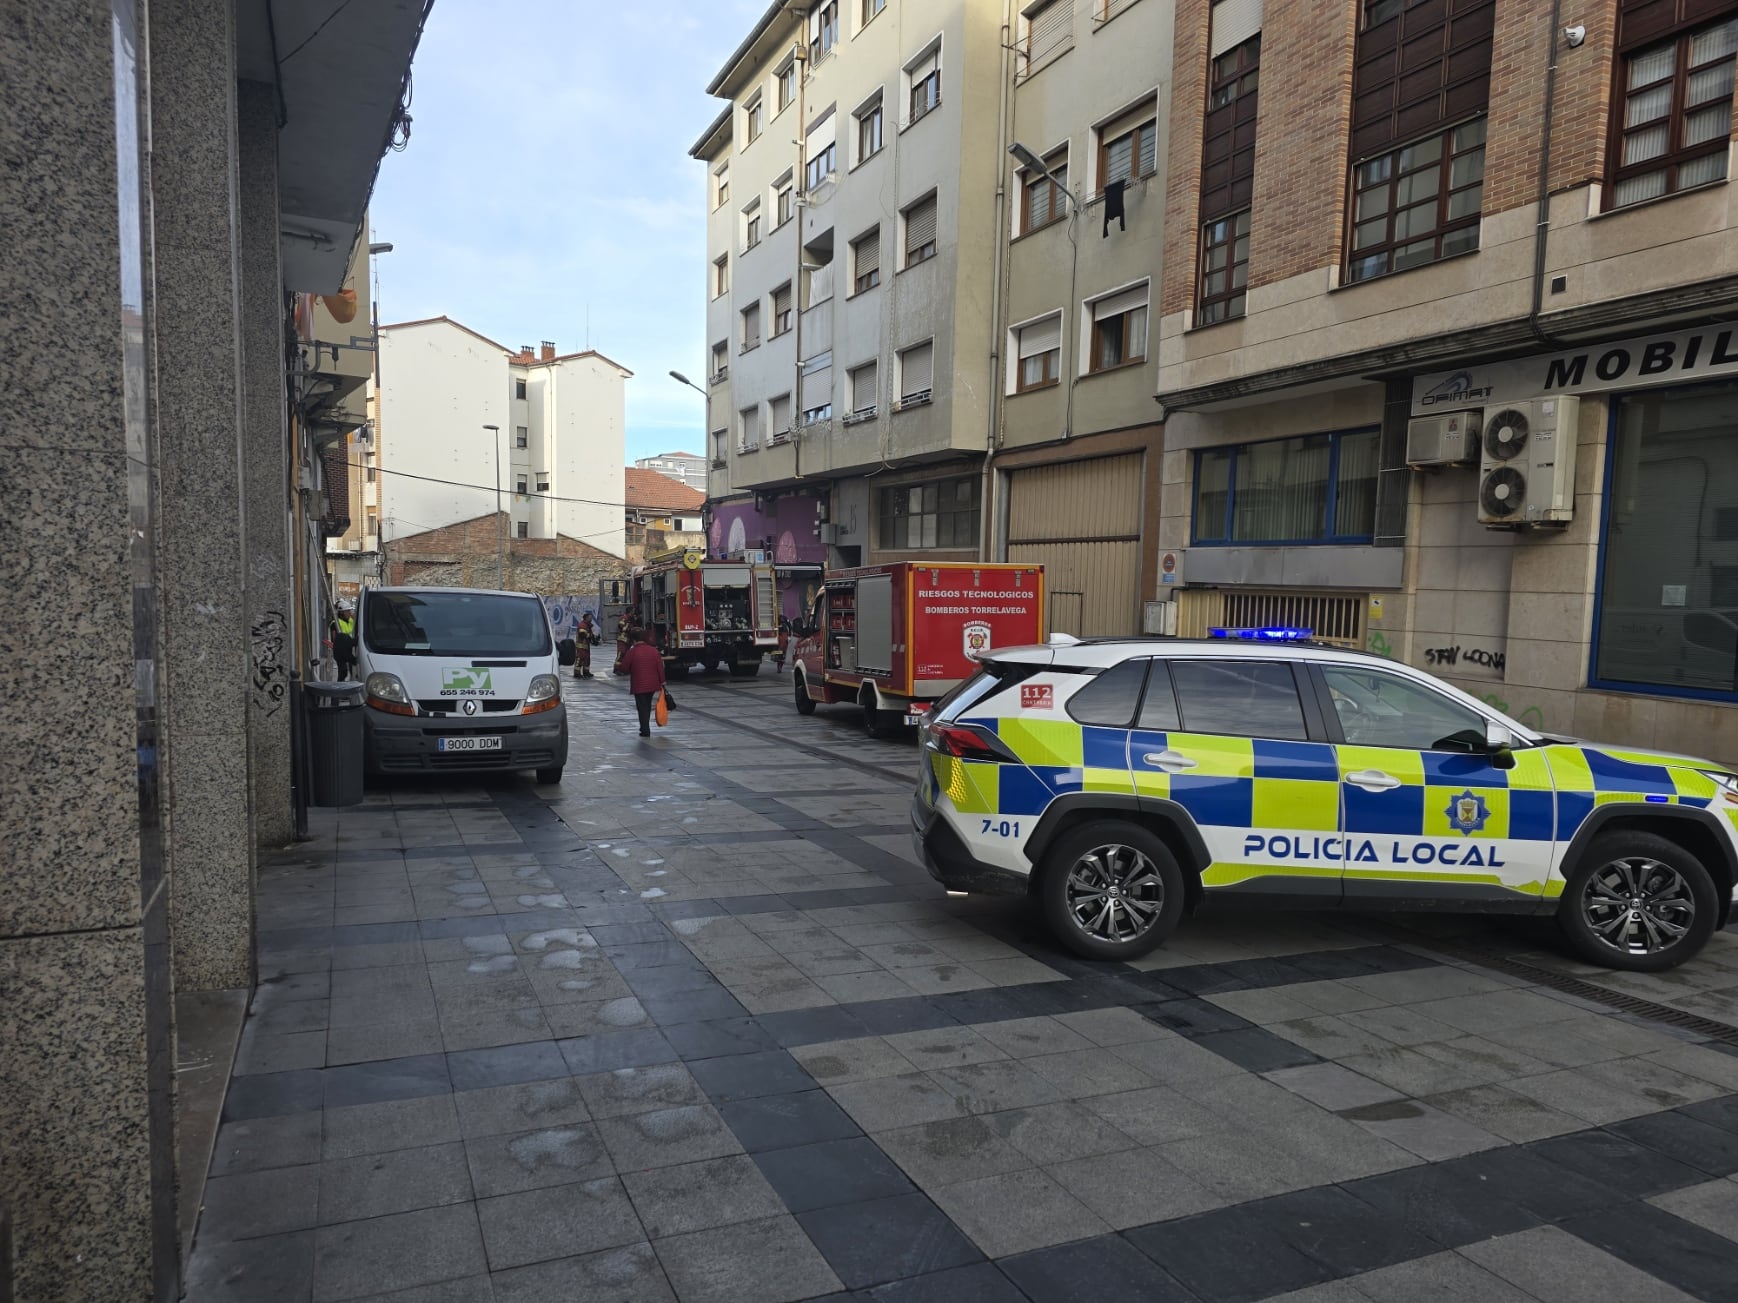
{"points": [[991, 679], [1239, 698], [1110, 699]]}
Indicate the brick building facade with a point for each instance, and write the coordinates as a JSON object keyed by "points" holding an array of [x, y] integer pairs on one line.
{"points": [[480, 553]]}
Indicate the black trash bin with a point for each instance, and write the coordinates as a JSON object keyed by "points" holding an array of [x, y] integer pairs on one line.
{"points": [[334, 742]]}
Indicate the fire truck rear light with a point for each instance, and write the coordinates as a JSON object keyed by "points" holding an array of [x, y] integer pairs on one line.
{"points": [[969, 742]]}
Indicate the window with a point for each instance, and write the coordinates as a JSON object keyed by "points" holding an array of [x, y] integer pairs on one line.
{"points": [[1668, 612], [542, 483], [371, 522], [1042, 198], [784, 197], [823, 30], [916, 374], [1128, 148], [1119, 330], [1240, 698], [787, 84], [750, 328], [1235, 74], [373, 473], [720, 279], [721, 186], [1224, 269], [920, 232], [1378, 709], [818, 276], [943, 514], [521, 437], [779, 417], [751, 225], [866, 261], [518, 389], [720, 361], [821, 151], [1677, 115], [815, 389], [1045, 28], [1228, 131], [869, 130], [523, 529], [1317, 488], [524, 485], [1419, 68], [923, 75], [754, 119], [1418, 203], [748, 429], [781, 309], [1038, 354], [720, 447], [870, 9], [1111, 697], [863, 381]]}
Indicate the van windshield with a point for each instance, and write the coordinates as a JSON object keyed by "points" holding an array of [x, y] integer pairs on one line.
{"points": [[454, 624]]}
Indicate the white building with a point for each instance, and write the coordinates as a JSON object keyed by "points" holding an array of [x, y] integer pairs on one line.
{"points": [[689, 467], [553, 463]]}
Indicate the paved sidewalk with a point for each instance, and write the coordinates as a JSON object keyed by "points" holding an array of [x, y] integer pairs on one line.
{"points": [[695, 1027]]}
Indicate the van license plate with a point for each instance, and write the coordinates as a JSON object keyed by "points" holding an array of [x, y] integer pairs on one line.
{"points": [[467, 744]]}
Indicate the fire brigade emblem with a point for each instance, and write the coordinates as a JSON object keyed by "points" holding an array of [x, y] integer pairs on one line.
{"points": [[977, 639], [1467, 813]]}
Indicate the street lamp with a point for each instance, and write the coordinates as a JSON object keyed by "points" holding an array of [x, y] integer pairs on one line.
{"points": [[1032, 163], [500, 544], [681, 379]]}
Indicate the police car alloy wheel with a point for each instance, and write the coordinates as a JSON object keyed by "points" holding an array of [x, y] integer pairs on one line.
{"points": [[1638, 902], [1111, 890]]}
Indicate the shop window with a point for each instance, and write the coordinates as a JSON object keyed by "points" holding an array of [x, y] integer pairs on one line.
{"points": [[1317, 488], [940, 514], [1667, 601]]}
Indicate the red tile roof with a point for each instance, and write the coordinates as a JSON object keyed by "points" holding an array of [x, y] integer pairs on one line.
{"points": [[657, 491]]}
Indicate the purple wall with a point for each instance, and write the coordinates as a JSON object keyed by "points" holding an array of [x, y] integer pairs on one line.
{"points": [[786, 528]]}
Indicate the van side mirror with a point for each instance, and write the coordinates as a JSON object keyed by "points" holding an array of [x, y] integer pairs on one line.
{"points": [[1500, 743]]}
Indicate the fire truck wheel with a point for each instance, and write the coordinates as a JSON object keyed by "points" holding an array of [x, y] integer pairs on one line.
{"points": [[875, 722], [805, 703], [745, 669]]}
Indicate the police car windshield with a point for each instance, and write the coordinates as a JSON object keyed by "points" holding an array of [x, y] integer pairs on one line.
{"points": [[455, 624]]}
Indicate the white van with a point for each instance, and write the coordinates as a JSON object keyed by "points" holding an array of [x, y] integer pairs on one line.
{"points": [[459, 679]]}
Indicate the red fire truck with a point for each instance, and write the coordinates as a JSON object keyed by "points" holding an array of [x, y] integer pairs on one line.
{"points": [[895, 638], [719, 613]]}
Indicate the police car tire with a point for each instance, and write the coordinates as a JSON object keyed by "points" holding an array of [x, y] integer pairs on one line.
{"points": [[1622, 845], [1053, 888], [805, 703]]}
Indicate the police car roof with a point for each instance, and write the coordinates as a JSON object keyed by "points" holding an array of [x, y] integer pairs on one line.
{"points": [[1098, 652]]}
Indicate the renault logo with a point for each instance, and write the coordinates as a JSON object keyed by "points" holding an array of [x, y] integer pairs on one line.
{"points": [[470, 706]]}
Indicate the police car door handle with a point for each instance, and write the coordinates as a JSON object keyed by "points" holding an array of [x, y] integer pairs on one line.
{"points": [[1373, 780], [1170, 761]]}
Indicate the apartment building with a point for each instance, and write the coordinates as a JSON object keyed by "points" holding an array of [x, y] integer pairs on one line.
{"points": [[689, 467], [478, 429], [1448, 311], [852, 188]]}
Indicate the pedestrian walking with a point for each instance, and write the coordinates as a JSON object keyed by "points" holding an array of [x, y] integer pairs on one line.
{"points": [[343, 633], [645, 667], [585, 637]]}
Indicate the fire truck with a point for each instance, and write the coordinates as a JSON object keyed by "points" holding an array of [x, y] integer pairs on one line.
{"points": [[719, 613], [895, 638]]}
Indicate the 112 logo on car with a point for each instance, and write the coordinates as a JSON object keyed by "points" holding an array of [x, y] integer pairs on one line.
{"points": [[1037, 696]]}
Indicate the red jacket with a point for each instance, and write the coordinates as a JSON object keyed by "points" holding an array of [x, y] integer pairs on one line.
{"points": [[645, 668]]}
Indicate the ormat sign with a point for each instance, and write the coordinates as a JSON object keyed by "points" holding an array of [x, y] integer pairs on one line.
{"points": [[1596, 368]]}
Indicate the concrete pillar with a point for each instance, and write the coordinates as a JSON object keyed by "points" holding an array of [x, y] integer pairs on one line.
{"points": [[87, 1178], [265, 466], [203, 545]]}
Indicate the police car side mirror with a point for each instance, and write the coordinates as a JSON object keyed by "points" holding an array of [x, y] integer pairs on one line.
{"points": [[1500, 743]]}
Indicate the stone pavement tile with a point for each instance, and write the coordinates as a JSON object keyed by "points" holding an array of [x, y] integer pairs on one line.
{"points": [[557, 1222], [1329, 995], [1057, 1133], [1264, 1006], [861, 1059], [1106, 1270], [938, 979], [506, 1065], [1236, 1166], [1229, 1256], [666, 1136], [1111, 1027], [692, 1006], [1438, 1278], [831, 1172], [1330, 1036], [1428, 1132], [795, 1027], [1257, 1050], [1332, 1086], [1017, 971], [1434, 982], [1439, 1202], [640, 1090], [1194, 1017], [1680, 1136], [1018, 1211], [782, 1121], [1155, 1115], [1333, 1291], [272, 1269], [1079, 1074], [745, 1076], [486, 1028], [1494, 1010], [1573, 1091], [1342, 1233], [1616, 1161], [935, 1154], [530, 1160], [698, 1196], [355, 1259], [1413, 1072], [1681, 1253], [713, 1040], [1555, 1266], [1505, 1112], [252, 1204], [1177, 1061], [399, 1181], [1721, 1113], [393, 1124], [889, 1239], [497, 1110], [856, 987], [1025, 1038], [1571, 1043], [769, 1261], [254, 1145], [781, 993], [1333, 1148], [1132, 1187], [888, 1102], [1402, 1024], [636, 1047], [1700, 1061], [1547, 1190], [1655, 1081], [1713, 1206], [982, 1282], [996, 1085], [631, 1274]]}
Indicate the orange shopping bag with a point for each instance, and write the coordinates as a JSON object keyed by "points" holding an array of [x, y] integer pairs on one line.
{"points": [[662, 711]]}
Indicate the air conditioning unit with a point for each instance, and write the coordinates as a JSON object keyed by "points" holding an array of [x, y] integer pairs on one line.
{"points": [[1444, 439], [1527, 463]]}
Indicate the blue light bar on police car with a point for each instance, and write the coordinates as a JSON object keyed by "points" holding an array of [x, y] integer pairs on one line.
{"points": [[1273, 633]]}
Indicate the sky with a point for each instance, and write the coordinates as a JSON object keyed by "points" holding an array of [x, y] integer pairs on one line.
{"points": [[548, 176]]}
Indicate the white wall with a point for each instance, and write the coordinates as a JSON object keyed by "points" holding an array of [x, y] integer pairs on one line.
{"points": [[578, 432]]}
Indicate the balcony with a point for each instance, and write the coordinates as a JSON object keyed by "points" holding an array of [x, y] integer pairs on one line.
{"points": [[335, 354]]}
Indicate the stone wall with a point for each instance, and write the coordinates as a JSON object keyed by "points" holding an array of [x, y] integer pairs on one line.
{"points": [[478, 554]]}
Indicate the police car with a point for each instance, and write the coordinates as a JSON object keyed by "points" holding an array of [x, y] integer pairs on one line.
{"points": [[1124, 782]]}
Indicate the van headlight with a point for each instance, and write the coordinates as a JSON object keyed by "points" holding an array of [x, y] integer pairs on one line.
{"points": [[545, 694], [386, 692]]}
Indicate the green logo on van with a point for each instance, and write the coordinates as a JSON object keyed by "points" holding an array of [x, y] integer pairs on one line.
{"points": [[462, 682]]}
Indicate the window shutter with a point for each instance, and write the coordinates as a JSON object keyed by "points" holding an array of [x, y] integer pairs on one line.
{"points": [[869, 252], [1234, 22], [1041, 337], [823, 133], [924, 66], [863, 387], [1047, 27], [750, 426], [781, 415], [1115, 305], [817, 388], [781, 300], [751, 326], [919, 225], [917, 370]]}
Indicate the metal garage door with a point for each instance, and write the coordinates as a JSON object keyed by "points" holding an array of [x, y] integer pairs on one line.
{"points": [[1082, 521]]}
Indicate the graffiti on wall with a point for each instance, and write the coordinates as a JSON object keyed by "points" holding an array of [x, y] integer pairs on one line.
{"points": [[1480, 657], [271, 683], [564, 613]]}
